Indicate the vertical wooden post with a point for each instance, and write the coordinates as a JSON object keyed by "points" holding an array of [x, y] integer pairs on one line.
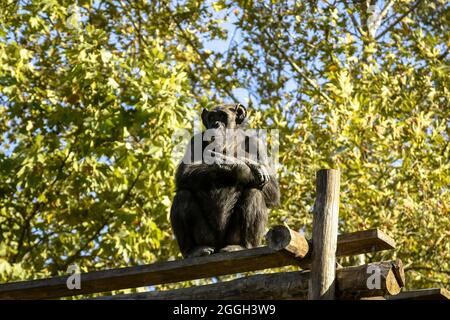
{"points": [[324, 236]]}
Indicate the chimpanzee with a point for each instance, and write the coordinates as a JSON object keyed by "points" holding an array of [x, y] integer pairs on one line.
{"points": [[221, 205]]}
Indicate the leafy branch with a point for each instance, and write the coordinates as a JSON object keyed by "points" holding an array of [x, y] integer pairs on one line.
{"points": [[73, 257]]}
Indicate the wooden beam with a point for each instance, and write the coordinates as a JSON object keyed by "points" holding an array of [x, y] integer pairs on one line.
{"points": [[379, 279], [423, 294], [324, 236], [180, 270], [283, 285]]}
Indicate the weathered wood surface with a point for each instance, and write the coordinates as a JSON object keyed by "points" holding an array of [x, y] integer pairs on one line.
{"points": [[423, 294], [284, 238], [399, 272], [324, 235], [283, 285], [180, 270], [383, 278]]}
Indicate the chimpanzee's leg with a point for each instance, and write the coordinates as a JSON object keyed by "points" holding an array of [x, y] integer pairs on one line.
{"points": [[247, 225], [194, 236]]}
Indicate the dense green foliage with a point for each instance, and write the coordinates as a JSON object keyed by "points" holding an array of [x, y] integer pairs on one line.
{"points": [[91, 93]]}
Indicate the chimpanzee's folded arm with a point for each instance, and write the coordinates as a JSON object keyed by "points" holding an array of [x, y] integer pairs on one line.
{"points": [[202, 175], [271, 192]]}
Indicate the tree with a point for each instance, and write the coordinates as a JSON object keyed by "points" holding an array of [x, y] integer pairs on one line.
{"points": [[87, 115]]}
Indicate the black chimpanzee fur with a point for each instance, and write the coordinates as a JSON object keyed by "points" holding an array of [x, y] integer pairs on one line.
{"points": [[219, 206]]}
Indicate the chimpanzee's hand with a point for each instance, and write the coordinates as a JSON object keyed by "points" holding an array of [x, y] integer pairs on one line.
{"points": [[244, 168], [241, 168]]}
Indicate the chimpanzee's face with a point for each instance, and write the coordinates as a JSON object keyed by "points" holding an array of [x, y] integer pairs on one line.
{"points": [[224, 117], [219, 118]]}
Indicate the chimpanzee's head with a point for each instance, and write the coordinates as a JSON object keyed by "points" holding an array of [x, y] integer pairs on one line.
{"points": [[227, 116]]}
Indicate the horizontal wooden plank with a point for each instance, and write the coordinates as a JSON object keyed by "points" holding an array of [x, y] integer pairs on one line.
{"points": [[282, 285], [423, 294], [366, 241], [355, 243], [186, 269], [158, 273]]}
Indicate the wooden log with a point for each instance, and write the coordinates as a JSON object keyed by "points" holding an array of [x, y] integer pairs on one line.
{"points": [[180, 270], [283, 238], [423, 294], [324, 236], [283, 285], [369, 280]]}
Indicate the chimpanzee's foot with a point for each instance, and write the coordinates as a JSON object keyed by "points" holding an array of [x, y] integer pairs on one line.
{"points": [[200, 251], [232, 247]]}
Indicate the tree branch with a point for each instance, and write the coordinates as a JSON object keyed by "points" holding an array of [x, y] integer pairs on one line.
{"points": [[376, 24], [294, 66], [205, 61], [353, 19], [37, 206], [398, 20]]}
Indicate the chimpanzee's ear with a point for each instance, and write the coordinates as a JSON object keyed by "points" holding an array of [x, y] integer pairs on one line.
{"points": [[204, 115], [241, 113]]}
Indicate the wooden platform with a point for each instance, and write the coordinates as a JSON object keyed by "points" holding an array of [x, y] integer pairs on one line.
{"points": [[188, 269]]}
